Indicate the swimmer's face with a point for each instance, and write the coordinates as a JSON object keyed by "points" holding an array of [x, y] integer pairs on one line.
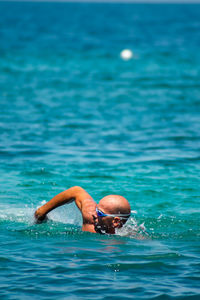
{"points": [[106, 224]]}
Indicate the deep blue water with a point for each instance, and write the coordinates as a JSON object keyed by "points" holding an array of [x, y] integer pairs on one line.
{"points": [[72, 112]]}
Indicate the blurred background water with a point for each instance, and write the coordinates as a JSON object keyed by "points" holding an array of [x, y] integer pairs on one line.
{"points": [[72, 112]]}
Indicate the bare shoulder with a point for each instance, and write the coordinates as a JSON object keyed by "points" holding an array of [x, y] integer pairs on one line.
{"points": [[86, 204], [88, 211]]}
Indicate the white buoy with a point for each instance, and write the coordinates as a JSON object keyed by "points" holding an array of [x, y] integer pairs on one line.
{"points": [[126, 54]]}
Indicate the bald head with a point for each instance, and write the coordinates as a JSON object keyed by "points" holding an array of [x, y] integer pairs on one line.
{"points": [[115, 204]]}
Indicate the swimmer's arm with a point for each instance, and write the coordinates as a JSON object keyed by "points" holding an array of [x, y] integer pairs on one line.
{"points": [[75, 193]]}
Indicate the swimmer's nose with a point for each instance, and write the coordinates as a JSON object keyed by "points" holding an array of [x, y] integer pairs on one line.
{"points": [[94, 217]]}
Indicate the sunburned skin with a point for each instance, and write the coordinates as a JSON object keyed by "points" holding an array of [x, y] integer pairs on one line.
{"points": [[114, 205]]}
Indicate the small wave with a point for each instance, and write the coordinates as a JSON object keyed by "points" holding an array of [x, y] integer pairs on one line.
{"points": [[178, 227]]}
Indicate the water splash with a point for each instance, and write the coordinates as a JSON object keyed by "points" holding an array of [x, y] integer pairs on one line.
{"points": [[133, 230], [25, 215]]}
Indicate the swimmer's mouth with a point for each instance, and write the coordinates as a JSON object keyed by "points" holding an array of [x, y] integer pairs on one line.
{"points": [[98, 228]]}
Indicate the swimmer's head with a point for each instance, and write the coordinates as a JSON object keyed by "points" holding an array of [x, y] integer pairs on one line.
{"points": [[112, 212]]}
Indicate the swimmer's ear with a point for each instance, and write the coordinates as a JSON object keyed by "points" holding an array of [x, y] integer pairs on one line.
{"points": [[117, 222]]}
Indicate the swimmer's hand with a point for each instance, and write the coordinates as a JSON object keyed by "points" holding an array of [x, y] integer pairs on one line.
{"points": [[39, 217]]}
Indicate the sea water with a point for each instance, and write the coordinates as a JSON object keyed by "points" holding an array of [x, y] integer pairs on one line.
{"points": [[73, 112]]}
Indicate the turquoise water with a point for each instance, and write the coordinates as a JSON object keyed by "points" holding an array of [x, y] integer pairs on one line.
{"points": [[74, 113]]}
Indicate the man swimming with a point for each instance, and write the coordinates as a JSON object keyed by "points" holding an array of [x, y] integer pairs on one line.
{"points": [[112, 211]]}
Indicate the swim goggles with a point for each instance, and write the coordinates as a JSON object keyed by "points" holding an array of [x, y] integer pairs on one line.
{"points": [[102, 214]]}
